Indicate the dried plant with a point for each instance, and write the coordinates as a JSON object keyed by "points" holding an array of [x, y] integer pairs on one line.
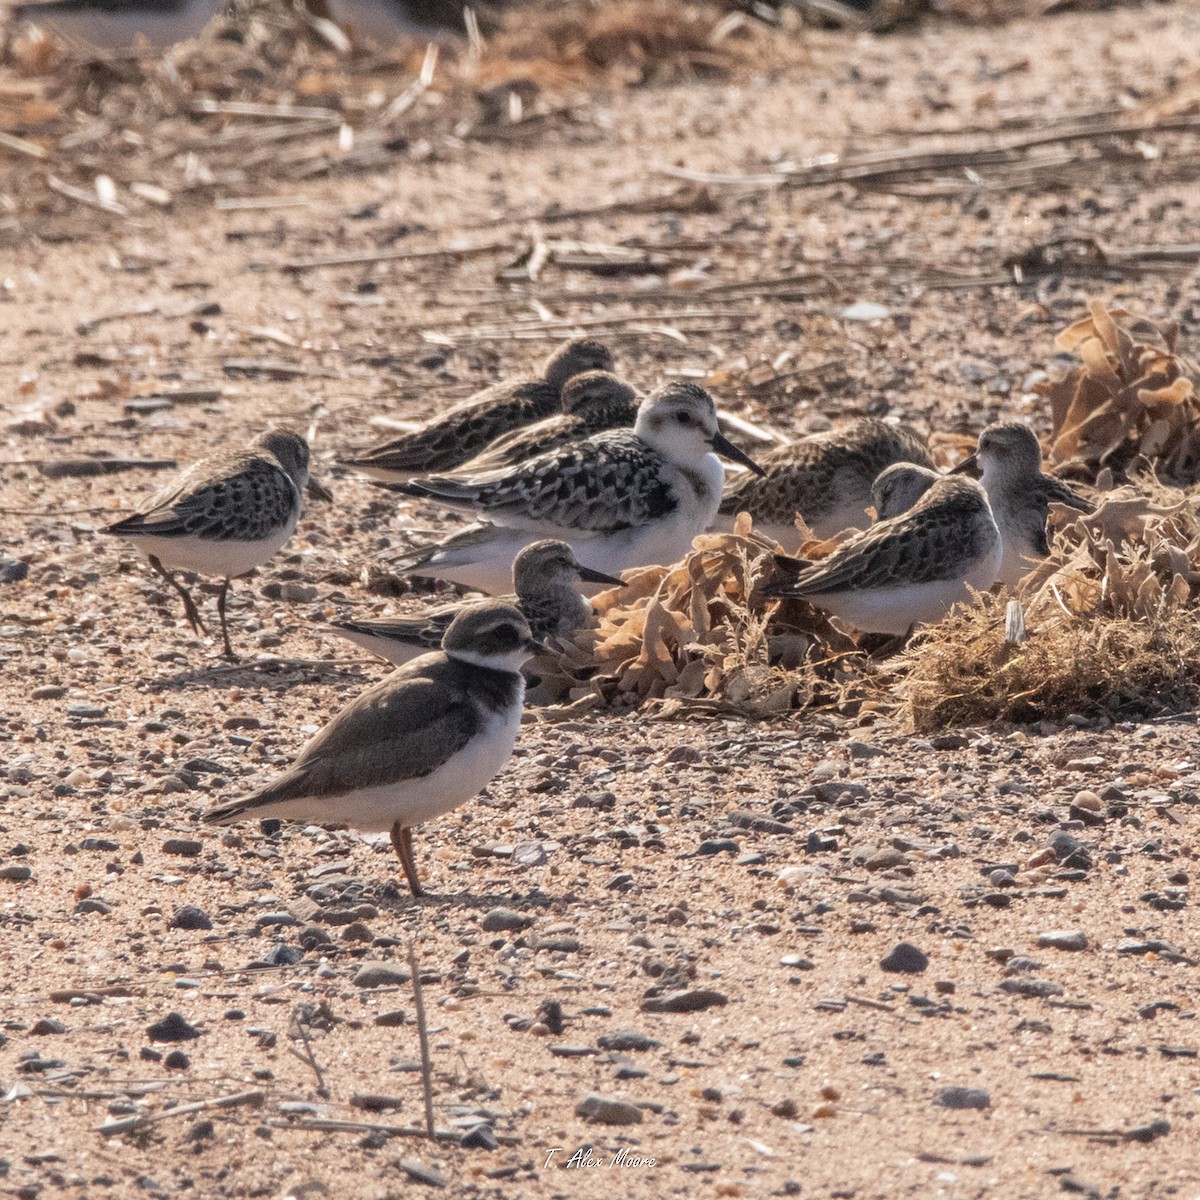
{"points": [[1130, 402]]}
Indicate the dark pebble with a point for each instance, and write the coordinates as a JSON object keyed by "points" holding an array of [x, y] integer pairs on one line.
{"points": [[718, 846], [94, 843], [93, 904], [603, 1110], [172, 1028], [626, 1039], [684, 1002], [482, 1137], [177, 1061], [184, 847], [190, 917], [47, 1026], [504, 920], [963, 1097], [392, 1019], [905, 959]]}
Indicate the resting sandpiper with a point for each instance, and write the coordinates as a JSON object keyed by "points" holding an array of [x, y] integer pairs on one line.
{"points": [[546, 577], [414, 746], [449, 440], [1020, 493], [906, 570], [225, 515], [898, 487], [825, 478], [623, 498]]}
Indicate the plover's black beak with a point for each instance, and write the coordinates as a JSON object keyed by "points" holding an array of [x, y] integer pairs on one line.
{"points": [[722, 445], [590, 576], [318, 491], [970, 463], [534, 647]]}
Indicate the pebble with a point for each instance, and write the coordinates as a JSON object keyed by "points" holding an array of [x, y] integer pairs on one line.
{"points": [[757, 822], [883, 860], [392, 1019], [480, 1137], [184, 847], [190, 917], [573, 1051], [504, 920], [283, 956], [94, 843], [267, 920], [1063, 939], [17, 872], [93, 904], [172, 1028], [49, 691], [905, 959], [627, 1039], [13, 570], [963, 1097], [797, 962], [419, 1172], [604, 1110], [177, 1061], [864, 310], [47, 1026], [529, 854], [684, 1001], [297, 593], [718, 846], [381, 974], [1031, 987]]}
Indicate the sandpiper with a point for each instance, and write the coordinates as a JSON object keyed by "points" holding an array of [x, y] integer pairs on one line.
{"points": [[225, 515], [898, 487], [825, 478], [115, 23], [546, 577], [414, 746], [623, 498], [449, 440], [591, 402], [1010, 464], [905, 570]]}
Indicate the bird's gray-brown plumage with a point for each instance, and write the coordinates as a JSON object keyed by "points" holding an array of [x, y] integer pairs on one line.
{"points": [[451, 439], [905, 570], [591, 402], [224, 515], [417, 744], [1009, 458], [825, 478], [546, 578], [898, 487]]}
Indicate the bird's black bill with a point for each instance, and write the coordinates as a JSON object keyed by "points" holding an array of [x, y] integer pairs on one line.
{"points": [[590, 576], [970, 463], [318, 491], [533, 646], [722, 445]]}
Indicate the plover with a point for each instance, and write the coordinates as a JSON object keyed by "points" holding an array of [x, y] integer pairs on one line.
{"points": [[898, 487], [591, 402], [906, 570], [1010, 464], [825, 477], [224, 515], [623, 498], [115, 23], [546, 577], [449, 440], [414, 746]]}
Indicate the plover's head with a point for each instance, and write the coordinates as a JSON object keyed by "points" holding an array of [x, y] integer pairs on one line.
{"points": [[547, 565], [679, 420], [898, 487], [491, 634], [291, 451], [573, 358], [594, 393], [1006, 449]]}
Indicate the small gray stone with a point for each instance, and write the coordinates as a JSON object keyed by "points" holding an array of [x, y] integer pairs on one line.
{"points": [[419, 1172], [184, 847], [718, 846], [504, 920], [190, 917], [963, 1097], [684, 1001], [172, 1028], [797, 962], [627, 1039], [392, 1019], [905, 959], [603, 1110], [13, 571], [17, 872], [529, 854], [1063, 939], [1039, 988], [381, 974]]}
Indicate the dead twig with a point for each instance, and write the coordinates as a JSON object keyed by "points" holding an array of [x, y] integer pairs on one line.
{"points": [[423, 1037], [253, 1099], [307, 1057]]}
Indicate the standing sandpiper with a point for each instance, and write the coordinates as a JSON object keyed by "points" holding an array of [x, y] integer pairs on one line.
{"points": [[414, 746], [1020, 493], [449, 440], [906, 570], [825, 478], [546, 577], [225, 515], [623, 498]]}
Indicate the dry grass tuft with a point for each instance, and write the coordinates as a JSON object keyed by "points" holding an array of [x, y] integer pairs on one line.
{"points": [[1130, 403]]}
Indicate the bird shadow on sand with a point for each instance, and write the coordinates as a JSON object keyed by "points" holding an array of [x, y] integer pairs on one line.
{"points": [[398, 902]]}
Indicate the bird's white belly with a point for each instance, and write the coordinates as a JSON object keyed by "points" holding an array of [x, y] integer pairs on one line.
{"points": [[227, 559], [1019, 559]]}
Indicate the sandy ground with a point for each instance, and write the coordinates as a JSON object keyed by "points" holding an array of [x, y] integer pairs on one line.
{"points": [[775, 864]]}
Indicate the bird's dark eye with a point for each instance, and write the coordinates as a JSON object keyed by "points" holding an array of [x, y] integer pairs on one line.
{"points": [[683, 418], [506, 635]]}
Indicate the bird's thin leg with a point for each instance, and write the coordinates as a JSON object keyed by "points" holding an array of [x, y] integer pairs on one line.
{"points": [[189, 605], [221, 595], [402, 844]]}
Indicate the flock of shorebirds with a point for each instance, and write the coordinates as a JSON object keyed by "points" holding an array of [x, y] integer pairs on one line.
{"points": [[572, 480]]}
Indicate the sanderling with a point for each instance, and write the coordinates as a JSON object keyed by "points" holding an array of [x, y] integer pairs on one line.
{"points": [[906, 570], [826, 478], [1010, 464], [449, 440], [623, 498], [546, 577], [224, 515], [414, 746], [591, 402]]}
